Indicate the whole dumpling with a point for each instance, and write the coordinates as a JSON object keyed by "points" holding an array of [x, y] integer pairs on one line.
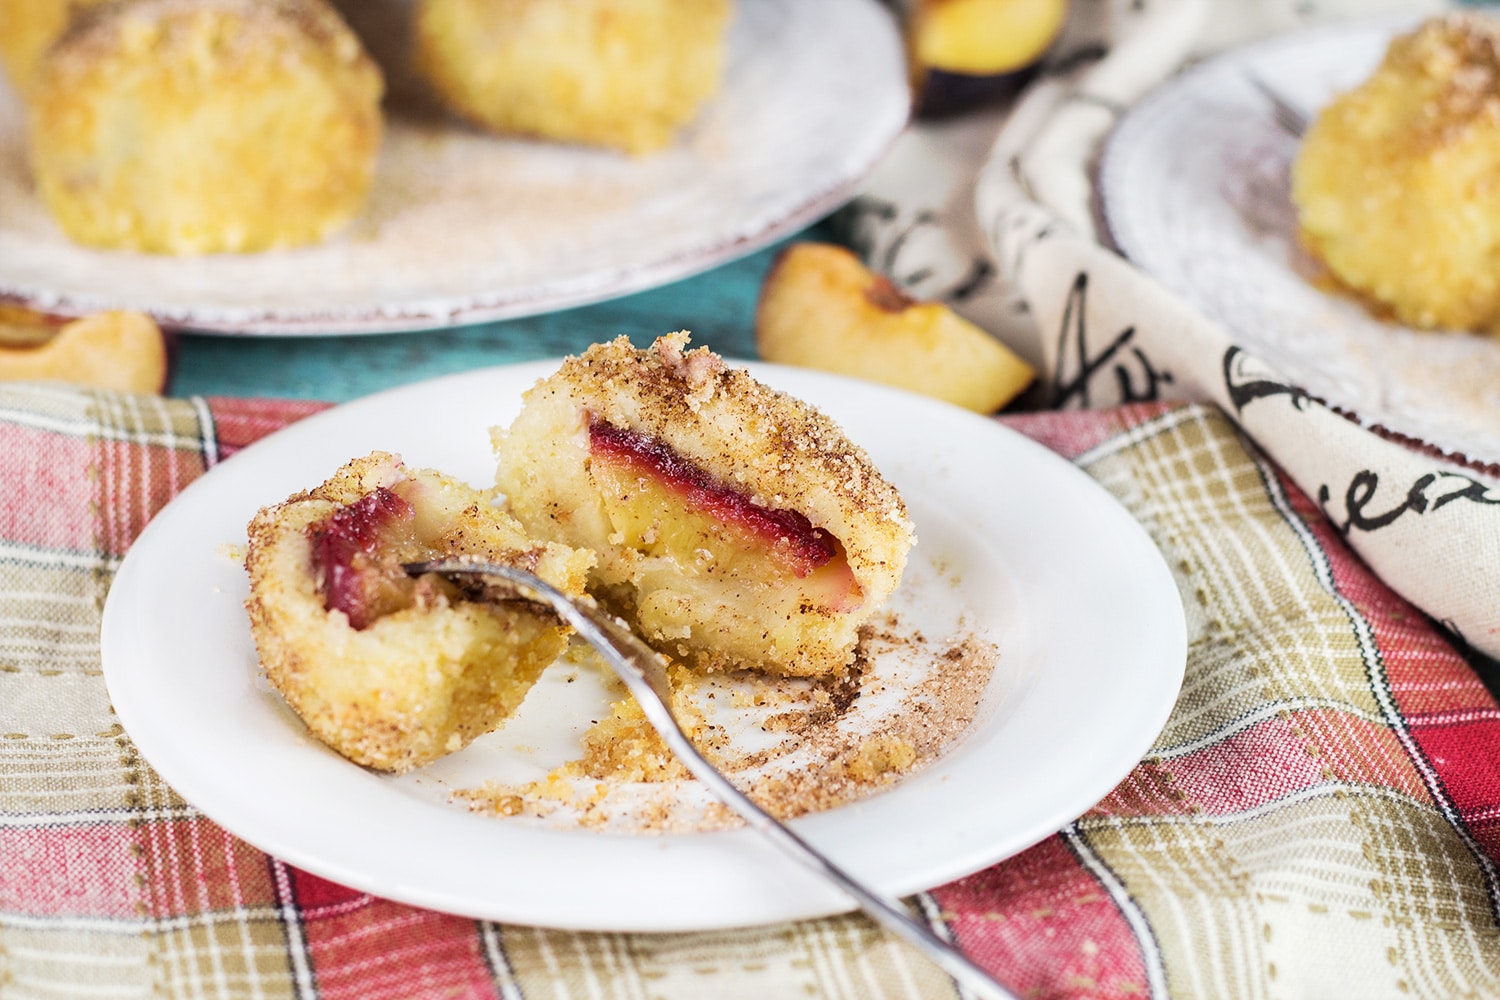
{"points": [[208, 126]]}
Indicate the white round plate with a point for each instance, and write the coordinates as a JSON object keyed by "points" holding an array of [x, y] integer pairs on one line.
{"points": [[1195, 189], [1032, 552], [463, 227]]}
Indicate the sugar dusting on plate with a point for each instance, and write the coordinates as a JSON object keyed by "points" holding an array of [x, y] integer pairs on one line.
{"points": [[794, 745]]}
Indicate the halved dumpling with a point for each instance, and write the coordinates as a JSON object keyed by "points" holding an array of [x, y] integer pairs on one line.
{"points": [[736, 526], [390, 671]]}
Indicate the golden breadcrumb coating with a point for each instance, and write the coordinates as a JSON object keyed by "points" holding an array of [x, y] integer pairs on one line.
{"points": [[1397, 182], [28, 28], [418, 682], [620, 73], [205, 126], [716, 608]]}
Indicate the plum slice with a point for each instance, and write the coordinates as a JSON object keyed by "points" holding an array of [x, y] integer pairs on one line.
{"points": [[357, 556], [663, 504]]}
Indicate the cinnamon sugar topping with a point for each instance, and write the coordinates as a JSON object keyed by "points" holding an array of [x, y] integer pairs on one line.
{"points": [[794, 745]]}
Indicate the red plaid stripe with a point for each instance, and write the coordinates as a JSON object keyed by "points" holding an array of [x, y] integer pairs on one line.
{"points": [[1043, 924], [239, 422], [367, 948], [49, 463], [68, 871], [1068, 435]]}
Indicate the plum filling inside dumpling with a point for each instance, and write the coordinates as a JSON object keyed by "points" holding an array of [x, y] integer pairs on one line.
{"points": [[354, 558], [358, 554], [663, 505]]}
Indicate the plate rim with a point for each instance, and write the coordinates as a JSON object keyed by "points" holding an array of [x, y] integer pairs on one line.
{"points": [[737, 843]]}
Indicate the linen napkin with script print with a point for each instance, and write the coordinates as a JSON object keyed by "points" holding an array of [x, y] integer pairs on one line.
{"points": [[998, 215]]}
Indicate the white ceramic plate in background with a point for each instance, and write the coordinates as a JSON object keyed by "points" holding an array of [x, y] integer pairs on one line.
{"points": [[1195, 188], [463, 227], [1032, 552]]}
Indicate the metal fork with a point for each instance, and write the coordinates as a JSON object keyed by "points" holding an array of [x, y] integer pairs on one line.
{"points": [[644, 672], [1291, 118]]}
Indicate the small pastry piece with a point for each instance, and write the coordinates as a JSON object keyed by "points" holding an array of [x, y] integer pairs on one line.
{"points": [[27, 30], [821, 308], [113, 350], [735, 525], [620, 73], [390, 671], [1397, 182], [205, 126]]}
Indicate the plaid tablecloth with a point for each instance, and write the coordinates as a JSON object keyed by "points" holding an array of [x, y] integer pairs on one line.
{"points": [[1318, 819]]}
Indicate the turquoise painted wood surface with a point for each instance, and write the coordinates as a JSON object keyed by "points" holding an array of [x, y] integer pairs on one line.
{"points": [[718, 307]]}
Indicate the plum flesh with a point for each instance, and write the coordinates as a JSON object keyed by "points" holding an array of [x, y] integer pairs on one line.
{"points": [[357, 556], [665, 504]]}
